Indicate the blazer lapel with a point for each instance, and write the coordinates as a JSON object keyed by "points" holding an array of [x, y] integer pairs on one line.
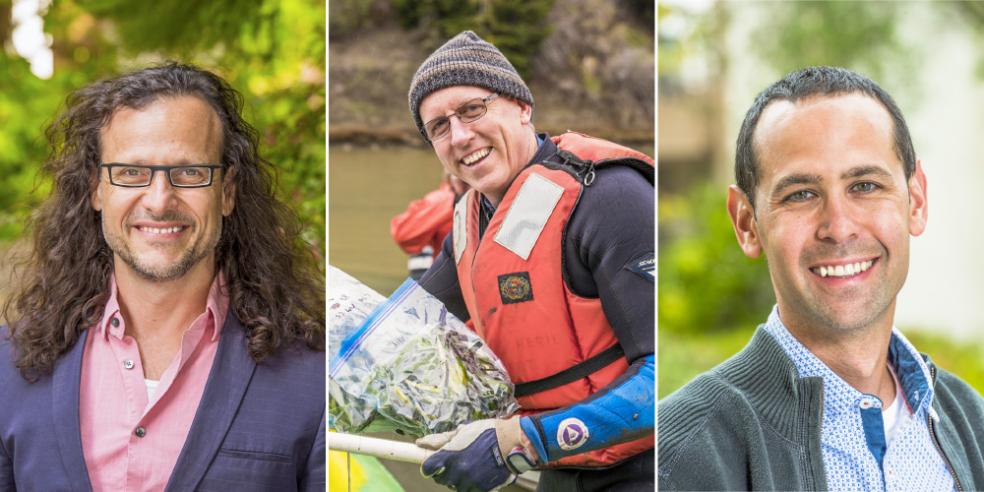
{"points": [[65, 382], [224, 391]]}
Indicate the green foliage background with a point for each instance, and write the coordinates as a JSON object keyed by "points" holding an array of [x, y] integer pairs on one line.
{"points": [[272, 51]]}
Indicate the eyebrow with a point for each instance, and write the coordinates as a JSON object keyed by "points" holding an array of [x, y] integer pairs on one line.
{"points": [[859, 171], [804, 178], [796, 179]]}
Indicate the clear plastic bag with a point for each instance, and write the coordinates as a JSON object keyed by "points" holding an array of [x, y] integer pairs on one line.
{"points": [[409, 366]]}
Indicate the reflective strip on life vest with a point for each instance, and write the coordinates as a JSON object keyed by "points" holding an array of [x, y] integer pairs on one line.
{"points": [[528, 214], [460, 227]]}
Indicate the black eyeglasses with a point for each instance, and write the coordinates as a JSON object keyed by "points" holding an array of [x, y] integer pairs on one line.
{"points": [[136, 176], [439, 128]]}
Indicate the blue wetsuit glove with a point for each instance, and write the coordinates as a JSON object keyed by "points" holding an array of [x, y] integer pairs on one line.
{"points": [[473, 457]]}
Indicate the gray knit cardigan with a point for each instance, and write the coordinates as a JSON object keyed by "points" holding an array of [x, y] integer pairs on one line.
{"points": [[752, 424]]}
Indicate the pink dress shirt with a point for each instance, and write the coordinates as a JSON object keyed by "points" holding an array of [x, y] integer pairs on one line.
{"points": [[130, 443]]}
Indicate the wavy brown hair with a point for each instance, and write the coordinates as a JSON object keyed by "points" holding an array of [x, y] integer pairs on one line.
{"points": [[275, 285]]}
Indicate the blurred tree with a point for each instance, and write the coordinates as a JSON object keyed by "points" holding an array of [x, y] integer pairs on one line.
{"points": [[350, 18], [178, 27], [643, 11], [706, 283], [515, 26], [272, 51], [858, 35], [444, 18], [972, 15]]}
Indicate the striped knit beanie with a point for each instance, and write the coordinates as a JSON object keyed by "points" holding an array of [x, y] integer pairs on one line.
{"points": [[465, 59]]}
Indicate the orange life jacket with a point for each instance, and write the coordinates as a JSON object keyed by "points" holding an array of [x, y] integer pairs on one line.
{"points": [[425, 222], [558, 347]]}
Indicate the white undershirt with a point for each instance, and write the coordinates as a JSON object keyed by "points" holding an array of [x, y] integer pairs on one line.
{"points": [[892, 415], [151, 388]]}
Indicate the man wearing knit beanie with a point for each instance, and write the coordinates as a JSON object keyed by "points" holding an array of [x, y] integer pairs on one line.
{"points": [[551, 260]]}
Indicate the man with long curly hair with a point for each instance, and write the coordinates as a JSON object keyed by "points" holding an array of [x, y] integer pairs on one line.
{"points": [[169, 330]]}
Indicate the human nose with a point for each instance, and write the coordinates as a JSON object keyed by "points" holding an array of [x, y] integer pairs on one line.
{"points": [[838, 223], [159, 193], [460, 132]]}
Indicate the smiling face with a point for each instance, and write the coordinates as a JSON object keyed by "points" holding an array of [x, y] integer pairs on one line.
{"points": [[834, 212], [490, 152], [159, 232]]}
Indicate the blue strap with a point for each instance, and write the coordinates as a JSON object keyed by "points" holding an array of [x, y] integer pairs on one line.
{"points": [[622, 411]]}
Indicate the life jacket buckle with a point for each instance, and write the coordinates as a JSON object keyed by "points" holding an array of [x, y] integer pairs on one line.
{"points": [[584, 170]]}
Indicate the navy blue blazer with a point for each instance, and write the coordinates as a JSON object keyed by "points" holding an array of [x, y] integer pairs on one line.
{"points": [[258, 427]]}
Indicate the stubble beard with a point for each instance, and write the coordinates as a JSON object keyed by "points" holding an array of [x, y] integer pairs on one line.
{"points": [[189, 257], [863, 313], [861, 317]]}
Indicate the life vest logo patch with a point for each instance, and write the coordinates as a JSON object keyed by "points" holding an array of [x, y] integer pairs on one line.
{"points": [[645, 268], [515, 287], [572, 434]]}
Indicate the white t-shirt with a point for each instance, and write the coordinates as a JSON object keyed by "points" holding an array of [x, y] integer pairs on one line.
{"points": [[892, 414], [151, 388]]}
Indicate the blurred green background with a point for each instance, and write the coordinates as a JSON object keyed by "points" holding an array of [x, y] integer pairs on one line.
{"points": [[714, 57], [272, 51]]}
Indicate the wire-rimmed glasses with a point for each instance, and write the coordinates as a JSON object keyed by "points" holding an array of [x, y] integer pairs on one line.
{"points": [[468, 112]]}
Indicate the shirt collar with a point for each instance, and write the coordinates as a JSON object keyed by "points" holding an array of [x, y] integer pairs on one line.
{"points": [[216, 308], [545, 148], [111, 312], [217, 304], [911, 369]]}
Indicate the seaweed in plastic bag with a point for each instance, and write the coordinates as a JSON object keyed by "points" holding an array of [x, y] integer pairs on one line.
{"points": [[409, 366]]}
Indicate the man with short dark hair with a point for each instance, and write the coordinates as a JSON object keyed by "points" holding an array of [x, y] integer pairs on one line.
{"points": [[170, 328], [550, 257], [828, 394]]}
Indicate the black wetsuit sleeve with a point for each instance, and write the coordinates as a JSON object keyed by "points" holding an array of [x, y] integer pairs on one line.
{"points": [[610, 242], [441, 281]]}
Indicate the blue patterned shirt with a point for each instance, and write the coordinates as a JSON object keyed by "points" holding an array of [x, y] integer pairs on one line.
{"points": [[855, 454]]}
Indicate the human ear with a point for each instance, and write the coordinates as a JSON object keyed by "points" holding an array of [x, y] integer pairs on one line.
{"points": [[743, 220], [228, 192], [918, 201], [526, 112], [95, 193]]}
